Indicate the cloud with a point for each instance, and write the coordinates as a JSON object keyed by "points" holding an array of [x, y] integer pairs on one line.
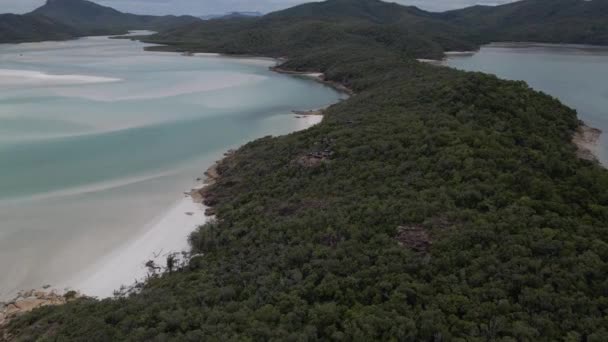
{"points": [[200, 7]]}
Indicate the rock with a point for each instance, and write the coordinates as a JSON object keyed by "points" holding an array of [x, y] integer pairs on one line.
{"points": [[28, 305], [586, 140], [196, 195], [190, 213], [40, 294], [312, 160], [27, 301], [10, 310], [414, 237]]}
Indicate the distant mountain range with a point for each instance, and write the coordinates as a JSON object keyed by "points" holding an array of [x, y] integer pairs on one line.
{"points": [[406, 29], [24, 28], [232, 15], [65, 19]]}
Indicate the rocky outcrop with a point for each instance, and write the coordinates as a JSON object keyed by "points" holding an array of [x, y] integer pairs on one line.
{"points": [[414, 237], [212, 175], [586, 140], [27, 301]]}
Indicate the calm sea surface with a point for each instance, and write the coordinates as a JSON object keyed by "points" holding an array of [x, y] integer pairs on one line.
{"points": [[98, 137], [577, 75]]}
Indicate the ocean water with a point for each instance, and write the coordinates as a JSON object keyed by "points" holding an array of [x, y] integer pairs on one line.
{"points": [[98, 138], [575, 74]]}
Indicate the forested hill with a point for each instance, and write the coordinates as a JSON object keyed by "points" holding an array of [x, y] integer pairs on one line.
{"points": [[551, 21], [408, 30], [92, 18], [26, 28], [434, 205], [67, 19]]}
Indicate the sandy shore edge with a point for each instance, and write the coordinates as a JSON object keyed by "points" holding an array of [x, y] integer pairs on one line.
{"points": [[317, 76]]}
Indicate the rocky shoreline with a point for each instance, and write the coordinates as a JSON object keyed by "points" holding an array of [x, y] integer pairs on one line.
{"points": [[212, 175], [27, 301], [317, 76]]}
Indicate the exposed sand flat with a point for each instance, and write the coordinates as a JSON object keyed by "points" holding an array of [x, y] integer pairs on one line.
{"points": [[197, 83], [38, 78]]}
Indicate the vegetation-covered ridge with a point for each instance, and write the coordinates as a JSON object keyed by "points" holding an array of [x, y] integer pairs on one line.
{"points": [[30, 28], [435, 205], [408, 30], [69, 19]]}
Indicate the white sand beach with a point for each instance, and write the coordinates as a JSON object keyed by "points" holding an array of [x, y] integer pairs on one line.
{"points": [[164, 235]]}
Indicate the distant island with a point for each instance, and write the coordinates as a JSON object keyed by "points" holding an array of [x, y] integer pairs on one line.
{"points": [[433, 205], [231, 15]]}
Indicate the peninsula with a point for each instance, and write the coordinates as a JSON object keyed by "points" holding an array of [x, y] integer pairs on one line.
{"points": [[433, 205]]}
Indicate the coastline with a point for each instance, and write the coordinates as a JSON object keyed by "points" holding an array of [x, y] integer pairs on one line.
{"points": [[585, 138], [166, 235], [317, 76], [524, 44], [446, 55]]}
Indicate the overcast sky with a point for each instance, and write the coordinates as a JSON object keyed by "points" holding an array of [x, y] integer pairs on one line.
{"points": [[201, 7]]}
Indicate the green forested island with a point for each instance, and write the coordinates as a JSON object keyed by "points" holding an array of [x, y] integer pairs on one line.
{"points": [[433, 205]]}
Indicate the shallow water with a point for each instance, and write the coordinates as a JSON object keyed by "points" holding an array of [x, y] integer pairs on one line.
{"points": [[98, 138], [575, 74]]}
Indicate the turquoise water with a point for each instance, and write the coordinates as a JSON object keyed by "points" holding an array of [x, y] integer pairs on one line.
{"points": [[97, 137], [577, 75]]}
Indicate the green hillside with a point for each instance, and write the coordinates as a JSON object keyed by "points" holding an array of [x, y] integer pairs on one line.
{"points": [[434, 205], [408, 30], [371, 23], [551, 21], [92, 18], [19, 28], [69, 19]]}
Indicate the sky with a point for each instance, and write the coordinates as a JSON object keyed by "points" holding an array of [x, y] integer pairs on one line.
{"points": [[203, 7]]}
